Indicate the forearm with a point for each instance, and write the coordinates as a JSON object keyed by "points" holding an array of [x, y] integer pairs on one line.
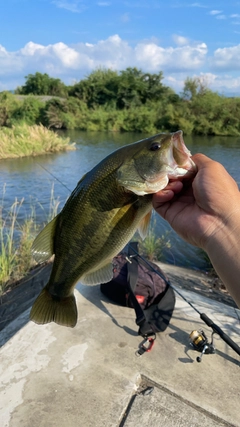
{"points": [[223, 251]]}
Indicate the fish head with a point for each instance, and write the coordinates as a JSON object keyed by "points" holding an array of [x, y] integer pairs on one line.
{"points": [[152, 162]]}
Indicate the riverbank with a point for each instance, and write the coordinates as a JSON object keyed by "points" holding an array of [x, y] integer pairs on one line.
{"points": [[24, 140]]}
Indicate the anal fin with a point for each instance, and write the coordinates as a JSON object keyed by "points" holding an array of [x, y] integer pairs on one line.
{"points": [[143, 225], [102, 275]]}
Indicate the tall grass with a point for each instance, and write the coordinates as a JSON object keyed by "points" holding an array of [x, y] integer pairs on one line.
{"points": [[10, 252], [23, 140], [16, 240], [153, 246]]}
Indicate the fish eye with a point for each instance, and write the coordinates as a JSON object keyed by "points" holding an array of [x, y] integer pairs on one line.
{"points": [[155, 146]]}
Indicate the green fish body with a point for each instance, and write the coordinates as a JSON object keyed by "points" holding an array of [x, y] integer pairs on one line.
{"points": [[108, 205]]}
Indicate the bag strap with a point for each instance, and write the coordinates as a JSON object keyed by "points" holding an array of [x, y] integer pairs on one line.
{"points": [[145, 329]]}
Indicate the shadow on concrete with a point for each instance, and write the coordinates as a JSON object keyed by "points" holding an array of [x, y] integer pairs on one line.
{"points": [[15, 304], [96, 297], [18, 299]]}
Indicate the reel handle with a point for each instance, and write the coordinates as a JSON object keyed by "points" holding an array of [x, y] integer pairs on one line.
{"points": [[199, 358]]}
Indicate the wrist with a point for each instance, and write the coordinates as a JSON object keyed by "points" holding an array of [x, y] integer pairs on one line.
{"points": [[225, 236], [222, 249]]}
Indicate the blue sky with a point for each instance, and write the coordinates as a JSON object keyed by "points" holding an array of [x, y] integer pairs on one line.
{"points": [[70, 38]]}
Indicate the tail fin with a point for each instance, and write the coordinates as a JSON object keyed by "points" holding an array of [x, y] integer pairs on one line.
{"points": [[48, 308]]}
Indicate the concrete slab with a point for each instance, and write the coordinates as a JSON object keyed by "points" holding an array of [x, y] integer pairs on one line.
{"points": [[156, 405], [60, 377]]}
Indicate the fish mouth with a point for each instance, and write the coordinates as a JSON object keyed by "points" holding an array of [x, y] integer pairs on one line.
{"points": [[179, 157], [169, 160], [177, 163]]}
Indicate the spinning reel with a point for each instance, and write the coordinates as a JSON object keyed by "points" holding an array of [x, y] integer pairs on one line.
{"points": [[199, 342], [198, 338]]}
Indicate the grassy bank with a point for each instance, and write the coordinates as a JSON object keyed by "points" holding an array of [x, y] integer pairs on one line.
{"points": [[15, 244], [23, 140], [16, 240]]}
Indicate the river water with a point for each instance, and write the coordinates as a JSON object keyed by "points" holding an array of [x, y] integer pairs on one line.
{"points": [[33, 179]]}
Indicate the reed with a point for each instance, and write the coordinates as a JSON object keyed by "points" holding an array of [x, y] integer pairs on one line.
{"points": [[23, 140], [16, 240]]}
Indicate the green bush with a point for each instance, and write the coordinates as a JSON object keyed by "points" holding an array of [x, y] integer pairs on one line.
{"points": [[29, 111], [8, 105]]}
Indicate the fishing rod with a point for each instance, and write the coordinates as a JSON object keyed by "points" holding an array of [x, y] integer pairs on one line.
{"points": [[199, 341]]}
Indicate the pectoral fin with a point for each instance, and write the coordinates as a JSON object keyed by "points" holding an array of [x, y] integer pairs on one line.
{"points": [[42, 247], [143, 225]]}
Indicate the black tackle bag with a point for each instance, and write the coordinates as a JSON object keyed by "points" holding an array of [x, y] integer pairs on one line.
{"points": [[142, 285]]}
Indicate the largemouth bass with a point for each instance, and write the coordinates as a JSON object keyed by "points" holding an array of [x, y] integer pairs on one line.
{"points": [[108, 205]]}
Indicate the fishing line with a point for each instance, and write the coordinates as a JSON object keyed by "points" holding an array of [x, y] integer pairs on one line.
{"points": [[50, 173]]}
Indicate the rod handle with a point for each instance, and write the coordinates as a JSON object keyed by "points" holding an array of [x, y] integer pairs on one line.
{"points": [[220, 332]]}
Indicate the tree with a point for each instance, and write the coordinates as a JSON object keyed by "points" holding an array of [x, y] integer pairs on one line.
{"points": [[42, 84], [99, 88], [128, 88], [194, 87]]}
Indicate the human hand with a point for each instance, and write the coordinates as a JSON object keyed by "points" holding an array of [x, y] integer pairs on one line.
{"points": [[198, 209]]}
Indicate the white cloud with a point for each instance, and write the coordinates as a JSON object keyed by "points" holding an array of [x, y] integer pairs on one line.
{"points": [[74, 6], [67, 63], [71, 63], [215, 12], [227, 58], [153, 57], [118, 54], [222, 83], [112, 53], [51, 56], [198, 5], [30, 49], [180, 40], [221, 17]]}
